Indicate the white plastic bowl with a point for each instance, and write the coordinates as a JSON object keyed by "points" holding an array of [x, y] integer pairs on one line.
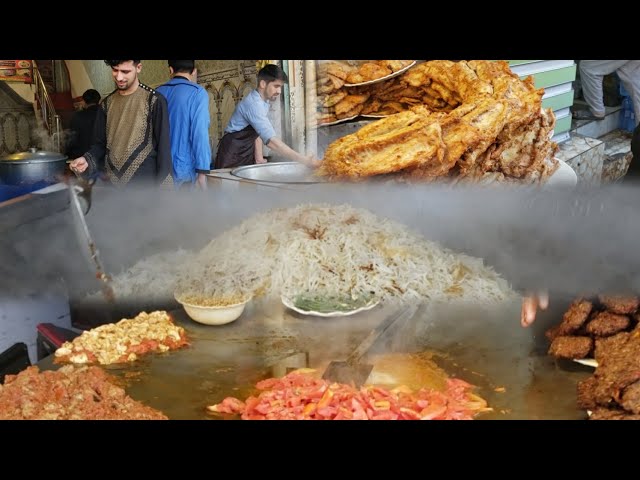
{"points": [[214, 315]]}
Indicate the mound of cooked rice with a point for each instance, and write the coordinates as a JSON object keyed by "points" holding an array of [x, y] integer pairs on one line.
{"points": [[316, 248]]}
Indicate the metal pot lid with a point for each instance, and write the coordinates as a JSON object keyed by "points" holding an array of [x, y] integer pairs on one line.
{"points": [[34, 156]]}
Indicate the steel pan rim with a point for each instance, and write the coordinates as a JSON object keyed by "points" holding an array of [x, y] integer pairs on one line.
{"points": [[236, 170]]}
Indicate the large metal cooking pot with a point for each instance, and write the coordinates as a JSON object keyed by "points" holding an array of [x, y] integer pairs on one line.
{"points": [[31, 167]]}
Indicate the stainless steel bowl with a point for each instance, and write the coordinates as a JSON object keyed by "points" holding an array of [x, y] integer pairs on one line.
{"points": [[278, 172]]}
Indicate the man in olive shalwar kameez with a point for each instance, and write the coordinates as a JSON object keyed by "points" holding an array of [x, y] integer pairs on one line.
{"points": [[131, 137]]}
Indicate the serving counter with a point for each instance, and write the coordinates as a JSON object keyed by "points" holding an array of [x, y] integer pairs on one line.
{"points": [[507, 364]]}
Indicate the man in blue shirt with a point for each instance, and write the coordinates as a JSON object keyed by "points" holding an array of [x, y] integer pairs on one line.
{"points": [[189, 122], [249, 128]]}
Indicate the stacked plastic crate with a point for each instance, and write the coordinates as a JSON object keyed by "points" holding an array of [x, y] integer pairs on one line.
{"points": [[627, 116], [556, 77]]}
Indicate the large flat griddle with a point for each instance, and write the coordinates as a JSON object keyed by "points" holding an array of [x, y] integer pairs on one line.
{"points": [[486, 347]]}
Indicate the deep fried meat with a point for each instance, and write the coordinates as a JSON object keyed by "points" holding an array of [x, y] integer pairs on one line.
{"points": [[604, 324], [586, 393], [618, 359], [619, 303], [575, 316], [552, 333], [571, 347], [612, 414], [630, 399]]}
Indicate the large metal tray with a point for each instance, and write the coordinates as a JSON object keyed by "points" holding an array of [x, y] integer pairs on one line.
{"points": [[488, 348], [278, 172]]}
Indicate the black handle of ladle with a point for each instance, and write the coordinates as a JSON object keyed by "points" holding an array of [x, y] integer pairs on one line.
{"points": [[403, 314]]}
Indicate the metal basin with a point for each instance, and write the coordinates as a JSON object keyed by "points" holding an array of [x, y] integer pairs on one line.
{"points": [[277, 172]]}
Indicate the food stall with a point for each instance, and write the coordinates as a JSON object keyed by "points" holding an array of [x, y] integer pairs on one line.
{"points": [[487, 348], [424, 121], [515, 376]]}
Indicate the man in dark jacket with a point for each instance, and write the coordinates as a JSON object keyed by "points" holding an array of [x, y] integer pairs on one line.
{"points": [[81, 135], [633, 173]]}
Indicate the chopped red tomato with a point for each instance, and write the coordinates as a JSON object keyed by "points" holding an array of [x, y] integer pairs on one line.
{"points": [[301, 396]]}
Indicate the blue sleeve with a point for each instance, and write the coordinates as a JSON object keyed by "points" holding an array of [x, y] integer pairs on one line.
{"points": [[200, 132], [260, 123]]}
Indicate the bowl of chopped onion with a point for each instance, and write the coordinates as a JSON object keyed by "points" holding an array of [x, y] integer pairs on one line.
{"points": [[213, 311]]}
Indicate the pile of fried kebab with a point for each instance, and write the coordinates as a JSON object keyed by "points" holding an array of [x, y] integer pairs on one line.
{"points": [[447, 121], [607, 328]]}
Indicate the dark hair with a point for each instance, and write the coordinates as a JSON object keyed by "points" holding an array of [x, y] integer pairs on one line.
{"points": [[115, 63], [182, 66], [270, 73], [91, 97]]}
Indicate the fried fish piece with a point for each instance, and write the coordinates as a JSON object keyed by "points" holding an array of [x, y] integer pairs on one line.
{"points": [[336, 82], [368, 71], [371, 106], [324, 89], [349, 104], [394, 65], [323, 118], [332, 99], [400, 141], [339, 70]]}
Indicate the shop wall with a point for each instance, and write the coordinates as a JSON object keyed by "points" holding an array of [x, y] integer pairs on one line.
{"points": [[226, 82], [17, 119]]}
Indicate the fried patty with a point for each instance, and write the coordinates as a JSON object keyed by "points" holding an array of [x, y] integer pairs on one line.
{"points": [[571, 347]]}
